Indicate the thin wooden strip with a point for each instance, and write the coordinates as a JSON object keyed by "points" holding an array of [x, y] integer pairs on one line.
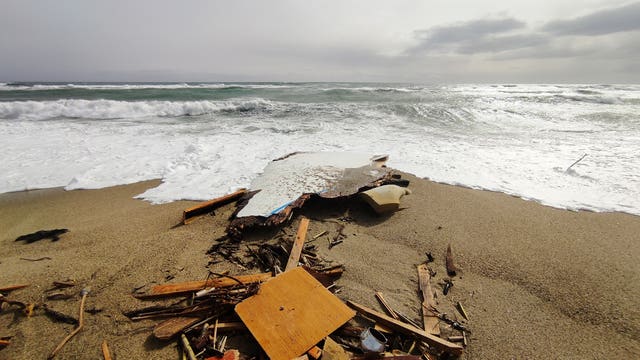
{"points": [[189, 214], [191, 286], [172, 327], [13, 287], [298, 244], [399, 326], [386, 306], [105, 350]]}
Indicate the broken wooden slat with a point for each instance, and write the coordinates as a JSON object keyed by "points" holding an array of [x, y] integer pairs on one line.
{"points": [[462, 311], [386, 306], [451, 268], [191, 213], [13, 287], [399, 326], [291, 313], [315, 352], [192, 286], [430, 319], [4, 343], [172, 327], [298, 244], [186, 347], [105, 350]]}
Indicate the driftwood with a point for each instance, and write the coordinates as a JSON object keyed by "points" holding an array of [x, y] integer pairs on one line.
{"points": [[386, 306], [409, 330], [172, 327], [206, 207], [4, 343], [6, 289], [76, 330], [451, 268]]}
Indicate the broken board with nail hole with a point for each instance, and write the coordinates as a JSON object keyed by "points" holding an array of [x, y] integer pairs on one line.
{"points": [[291, 313]]}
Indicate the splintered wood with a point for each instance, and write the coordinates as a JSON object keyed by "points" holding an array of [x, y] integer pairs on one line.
{"points": [[396, 325], [429, 317], [291, 313], [298, 244], [191, 213], [192, 286]]}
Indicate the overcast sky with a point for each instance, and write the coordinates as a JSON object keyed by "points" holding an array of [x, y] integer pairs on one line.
{"points": [[443, 41]]}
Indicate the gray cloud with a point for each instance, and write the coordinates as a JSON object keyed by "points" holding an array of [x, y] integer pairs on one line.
{"points": [[625, 18], [464, 34]]}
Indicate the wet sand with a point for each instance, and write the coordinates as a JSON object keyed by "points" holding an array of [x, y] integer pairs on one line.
{"points": [[537, 282]]}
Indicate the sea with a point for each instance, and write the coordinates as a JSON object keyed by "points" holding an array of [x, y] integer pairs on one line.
{"points": [[572, 146]]}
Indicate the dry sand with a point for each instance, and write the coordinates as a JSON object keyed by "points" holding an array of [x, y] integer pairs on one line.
{"points": [[537, 282]]}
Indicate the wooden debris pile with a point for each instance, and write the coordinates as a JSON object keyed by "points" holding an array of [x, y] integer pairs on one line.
{"points": [[291, 311]]}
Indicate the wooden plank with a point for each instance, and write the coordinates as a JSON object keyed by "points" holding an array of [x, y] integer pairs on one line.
{"points": [[192, 286], [13, 287], [172, 327], [430, 319], [315, 353], [191, 213], [291, 313], [440, 344], [298, 244], [386, 306]]}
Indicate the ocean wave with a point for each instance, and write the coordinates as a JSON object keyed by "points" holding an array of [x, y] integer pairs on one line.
{"points": [[112, 109], [597, 99], [17, 86]]}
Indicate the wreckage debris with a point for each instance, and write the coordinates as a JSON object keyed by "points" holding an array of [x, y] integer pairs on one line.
{"points": [[291, 313], [451, 268], [429, 316], [106, 354], [10, 288], [54, 235], [208, 206], [386, 198]]}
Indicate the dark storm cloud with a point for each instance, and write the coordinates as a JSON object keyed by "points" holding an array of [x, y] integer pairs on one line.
{"points": [[609, 21], [462, 34]]}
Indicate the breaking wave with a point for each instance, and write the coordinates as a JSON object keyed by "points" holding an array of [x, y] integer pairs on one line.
{"points": [[112, 109]]}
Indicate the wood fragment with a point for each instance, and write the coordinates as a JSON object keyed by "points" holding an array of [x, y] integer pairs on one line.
{"points": [[451, 268], [399, 326], [76, 330], [53, 235], [193, 286], [386, 306], [333, 351], [105, 350], [172, 327], [462, 311], [315, 352], [457, 338], [4, 343], [63, 284], [206, 207], [320, 234], [6, 289], [577, 161], [430, 319], [38, 259], [298, 244], [187, 348]]}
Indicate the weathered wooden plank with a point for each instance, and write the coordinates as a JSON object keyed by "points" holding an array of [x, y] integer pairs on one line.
{"points": [[191, 213], [441, 344], [430, 319], [172, 327], [291, 313], [298, 244]]}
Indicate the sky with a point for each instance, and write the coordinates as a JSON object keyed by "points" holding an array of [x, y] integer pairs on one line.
{"points": [[409, 41]]}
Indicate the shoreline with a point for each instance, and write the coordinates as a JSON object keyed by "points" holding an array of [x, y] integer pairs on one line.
{"points": [[537, 281]]}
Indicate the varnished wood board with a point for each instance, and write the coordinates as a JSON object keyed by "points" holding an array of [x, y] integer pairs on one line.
{"points": [[291, 313]]}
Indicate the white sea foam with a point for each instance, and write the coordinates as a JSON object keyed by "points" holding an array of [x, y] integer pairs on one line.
{"points": [[518, 140], [37, 87], [112, 109]]}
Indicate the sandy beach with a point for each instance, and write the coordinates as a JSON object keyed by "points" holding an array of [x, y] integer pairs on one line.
{"points": [[537, 282]]}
